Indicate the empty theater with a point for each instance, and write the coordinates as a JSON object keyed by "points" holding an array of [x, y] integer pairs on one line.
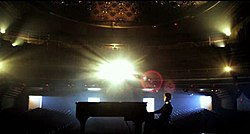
{"points": [[106, 67]]}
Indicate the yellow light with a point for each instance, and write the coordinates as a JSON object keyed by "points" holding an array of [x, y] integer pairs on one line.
{"points": [[223, 25], [227, 69], [2, 30], [14, 44], [4, 24], [227, 31], [1, 66], [17, 42], [220, 44], [4, 66], [116, 71]]}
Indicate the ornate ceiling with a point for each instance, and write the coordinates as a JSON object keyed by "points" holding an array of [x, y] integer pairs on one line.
{"points": [[125, 14], [82, 17]]}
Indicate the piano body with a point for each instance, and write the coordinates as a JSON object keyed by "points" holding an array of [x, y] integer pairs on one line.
{"points": [[131, 111]]}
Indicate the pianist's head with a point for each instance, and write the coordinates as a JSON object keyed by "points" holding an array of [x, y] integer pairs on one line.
{"points": [[167, 97]]}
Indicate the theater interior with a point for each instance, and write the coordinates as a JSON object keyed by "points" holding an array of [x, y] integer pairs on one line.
{"points": [[112, 61]]}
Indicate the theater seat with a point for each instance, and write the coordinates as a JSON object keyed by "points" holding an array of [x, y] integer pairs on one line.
{"points": [[42, 121]]}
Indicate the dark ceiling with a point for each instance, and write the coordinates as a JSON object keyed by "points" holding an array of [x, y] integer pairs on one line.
{"points": [[171, 37], [79, 18]]}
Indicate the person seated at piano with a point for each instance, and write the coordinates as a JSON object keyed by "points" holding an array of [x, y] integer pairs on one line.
{"points": [[164, 116]]}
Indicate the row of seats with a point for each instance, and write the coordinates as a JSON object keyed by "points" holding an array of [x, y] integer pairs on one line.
{"points": [[51, 121], [38, 121]]}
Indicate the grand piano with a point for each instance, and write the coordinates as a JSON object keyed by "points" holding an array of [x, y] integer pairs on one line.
{"points": [[131, 111]]}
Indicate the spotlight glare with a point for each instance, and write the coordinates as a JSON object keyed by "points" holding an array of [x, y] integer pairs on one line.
{"points": [[227, 69], [227, 31], [2, 30], [14, 44], [18, 42], [116, 71]]}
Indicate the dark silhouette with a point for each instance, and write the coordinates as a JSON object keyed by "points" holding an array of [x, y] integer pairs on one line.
{"points": [[163, 121]]}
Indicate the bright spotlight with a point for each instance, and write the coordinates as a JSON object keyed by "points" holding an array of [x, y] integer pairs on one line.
{"points": [[227, 69], [14, 44], [227, 31], [4, 24], [2, 30], [224, 26], [116, 71], [17, 42]]}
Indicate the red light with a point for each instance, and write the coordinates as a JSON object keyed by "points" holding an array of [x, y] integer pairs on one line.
{"points": [[152, 79]]}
